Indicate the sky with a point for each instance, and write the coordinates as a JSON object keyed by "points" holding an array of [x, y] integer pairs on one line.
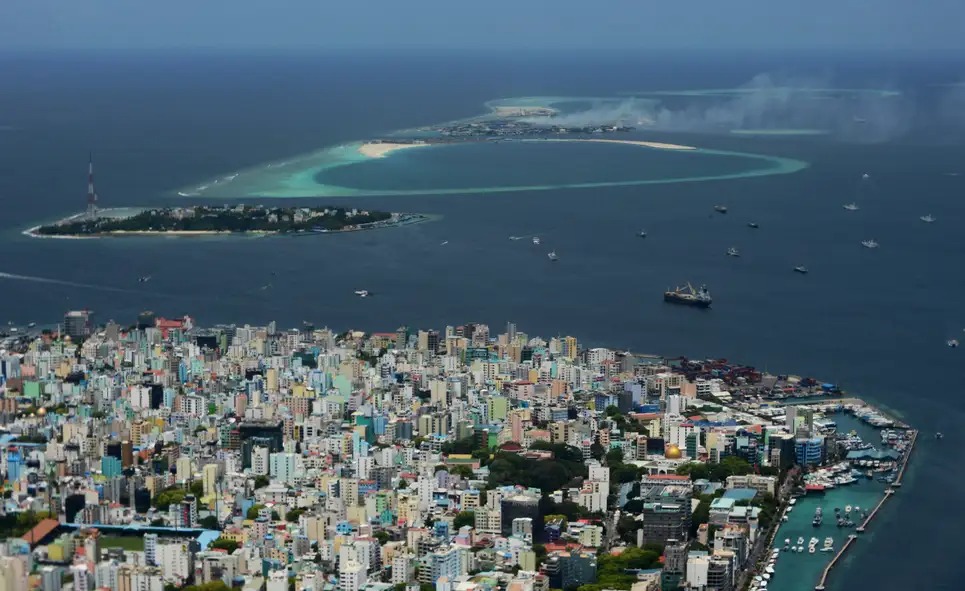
{"points": [[866, 25]]}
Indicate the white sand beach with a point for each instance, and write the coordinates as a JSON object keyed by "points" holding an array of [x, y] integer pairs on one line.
{"points": [[383, 149], [657, 145]]}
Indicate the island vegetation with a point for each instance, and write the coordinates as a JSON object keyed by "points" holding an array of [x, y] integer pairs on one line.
{"points": [[224, 219]]}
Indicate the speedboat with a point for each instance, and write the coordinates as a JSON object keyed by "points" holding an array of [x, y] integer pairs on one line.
{"points": [[552, 256], [536, 240], [733, 252], [720, 208], [362, 293], [929, 218], [752, 225], [642, 234], [852, 207], [444, 242], [869, 244], [801, 269]]}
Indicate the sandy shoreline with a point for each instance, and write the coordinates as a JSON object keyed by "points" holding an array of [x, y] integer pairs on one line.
{"points": [[657, 145], [383, 149]]}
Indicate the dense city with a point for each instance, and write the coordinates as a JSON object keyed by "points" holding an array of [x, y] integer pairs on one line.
{"points": [[165, 455]]}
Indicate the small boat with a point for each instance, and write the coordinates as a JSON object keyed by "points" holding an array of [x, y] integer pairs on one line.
{"points": [[791, 502], [812, 549], [952, 343], [444, 242], [536, 240], [800, 548], [929, 218], [800, 540], [642, 234], [515, 237], [720, 208], [787, 541], [552, 256], [813, 541], [362, 293], [801, 269], [847, 509], [852, 207], [733, 252], [752, 225], [31, 325], [869, 244], [938, 435], [828, 542]]}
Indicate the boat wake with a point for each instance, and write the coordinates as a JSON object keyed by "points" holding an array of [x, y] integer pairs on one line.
{"points": [[33, 279]]}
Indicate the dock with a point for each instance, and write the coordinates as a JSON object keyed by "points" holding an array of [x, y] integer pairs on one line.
{"points": [[864, 524]]}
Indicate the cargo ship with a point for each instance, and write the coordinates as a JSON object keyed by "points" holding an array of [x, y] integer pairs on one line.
{"points": [[689, 296]]}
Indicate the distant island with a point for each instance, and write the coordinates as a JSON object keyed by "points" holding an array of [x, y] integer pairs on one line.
{"points": [[238, 219]]}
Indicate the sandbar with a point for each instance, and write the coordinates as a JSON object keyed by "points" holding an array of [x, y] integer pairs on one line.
{"points": [[383, 149], [657, 145]]}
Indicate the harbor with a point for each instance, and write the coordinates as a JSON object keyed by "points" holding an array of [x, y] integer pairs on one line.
{"points": [[827, 521]]}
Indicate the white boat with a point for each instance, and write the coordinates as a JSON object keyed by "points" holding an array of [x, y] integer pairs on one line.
{"points": [[800, 540], [642, 234], [847, 508], [952, 343], [552, 256], [536, 240], [929, 218], [789, 509], [444, 242], [766, 576], [812, 549], [828, 542], [787, 540], [813, 541], [362, 293], [792, 501], [869, 244], [769, 570], [800, 548], [852, 207], [827, 549], [733, 252], [515, 237]]}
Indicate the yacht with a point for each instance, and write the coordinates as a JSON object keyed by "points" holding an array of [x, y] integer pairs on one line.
{"points": [[828, 542], [929, 218], [852, 207], [818, 518], [812, 549], [800, 540], [800, 548], [733, 252], [952, 343], [642, 234], [801, 269], [362, 293], [847, 509], [869, 244], [792, 501], [552, 256], [536, 240]]}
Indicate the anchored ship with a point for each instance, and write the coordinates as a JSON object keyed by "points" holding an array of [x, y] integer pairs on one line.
{"points": [[689, 296]]}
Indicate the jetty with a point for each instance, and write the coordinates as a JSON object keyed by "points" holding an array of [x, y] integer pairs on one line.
{"points": [[864, 524]]}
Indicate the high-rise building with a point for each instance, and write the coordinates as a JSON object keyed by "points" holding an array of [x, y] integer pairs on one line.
{"points": [[77, 324]]}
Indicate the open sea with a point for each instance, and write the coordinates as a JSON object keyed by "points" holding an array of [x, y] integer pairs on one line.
{"points": [[874, 321]]}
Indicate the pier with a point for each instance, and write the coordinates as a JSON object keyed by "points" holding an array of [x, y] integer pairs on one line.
{"points": [[864, 524]]}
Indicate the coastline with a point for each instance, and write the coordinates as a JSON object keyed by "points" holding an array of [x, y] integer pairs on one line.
{"points": [[397, 220], [383, 149], [644, 144]]}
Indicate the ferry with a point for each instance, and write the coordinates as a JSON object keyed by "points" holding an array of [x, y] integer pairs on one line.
{"points": [[689, 296]]}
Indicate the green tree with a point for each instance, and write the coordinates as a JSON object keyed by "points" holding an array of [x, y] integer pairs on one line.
{"points": [[293, 515], [611, 411], [463, 519], [210, 522], [225, 544], [197, 488], [168, 497], [614, 456], [262, 481], [253, 511]]}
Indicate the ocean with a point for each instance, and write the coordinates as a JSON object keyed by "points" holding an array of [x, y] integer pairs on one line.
{"points": [[874, 321]]}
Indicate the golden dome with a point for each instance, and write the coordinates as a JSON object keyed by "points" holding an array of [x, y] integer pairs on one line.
{"points": [[672, 452]]}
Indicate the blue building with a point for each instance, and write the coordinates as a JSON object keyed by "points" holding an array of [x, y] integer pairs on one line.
{"points": [[809, 452]]}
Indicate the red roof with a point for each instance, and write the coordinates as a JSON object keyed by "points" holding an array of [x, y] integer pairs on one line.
{"points": [[40, 531]]}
